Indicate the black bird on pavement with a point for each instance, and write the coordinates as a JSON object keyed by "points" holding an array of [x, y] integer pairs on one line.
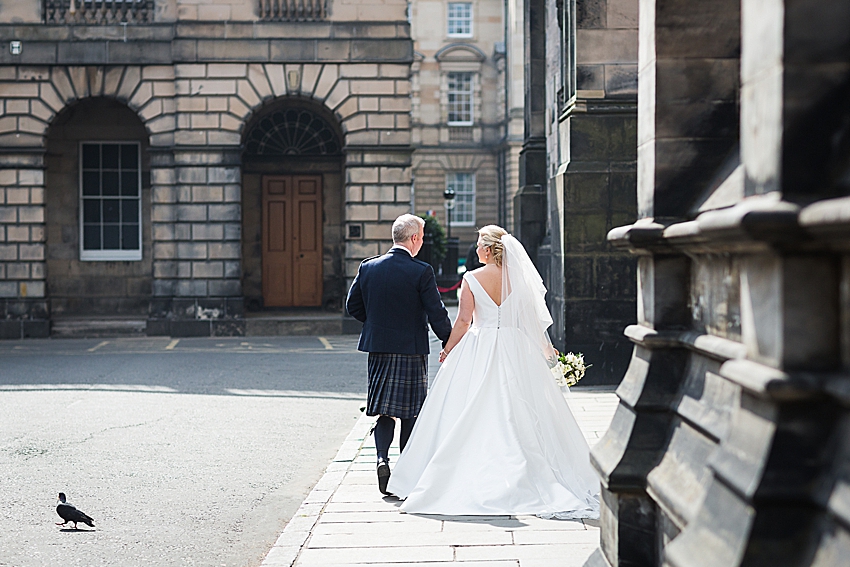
{"points": [[70, 514]]}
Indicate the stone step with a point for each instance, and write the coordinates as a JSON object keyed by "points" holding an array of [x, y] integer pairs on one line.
{"points": [[311, 325], [97, 327], [255, 326]]}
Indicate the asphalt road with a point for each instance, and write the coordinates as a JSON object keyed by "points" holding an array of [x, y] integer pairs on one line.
{"points": [[191, 452]]}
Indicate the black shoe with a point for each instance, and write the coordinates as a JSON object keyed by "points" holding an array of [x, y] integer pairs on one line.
{"points": [[383, 476]]}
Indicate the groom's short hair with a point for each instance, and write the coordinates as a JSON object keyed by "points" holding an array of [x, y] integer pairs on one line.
{"points": [[406, 226]]}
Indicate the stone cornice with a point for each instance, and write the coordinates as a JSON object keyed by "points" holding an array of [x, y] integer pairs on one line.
{"points": [[460, 52], [758, 379], [206, 30], [829, 218], [208, 42], [711, 346], [754, 224], [603, 106], [397, 148]]}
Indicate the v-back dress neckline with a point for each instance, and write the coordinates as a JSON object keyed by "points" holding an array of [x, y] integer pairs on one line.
{"points": [[481, 287]]}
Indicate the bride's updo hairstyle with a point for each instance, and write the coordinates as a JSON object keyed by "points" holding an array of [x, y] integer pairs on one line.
{"points": [[491, 236]]}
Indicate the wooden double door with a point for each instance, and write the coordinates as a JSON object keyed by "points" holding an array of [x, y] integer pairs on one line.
{"points": [[292, 240]]}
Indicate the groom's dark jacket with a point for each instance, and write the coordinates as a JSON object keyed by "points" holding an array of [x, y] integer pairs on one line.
{"points": [[395, 297]]}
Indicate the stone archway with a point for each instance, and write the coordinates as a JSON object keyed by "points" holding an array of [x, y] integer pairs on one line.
{"points": [[292, 185], [98, 203]]}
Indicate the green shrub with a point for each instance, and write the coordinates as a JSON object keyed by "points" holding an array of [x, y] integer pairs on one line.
{"points": [[437, 234]]}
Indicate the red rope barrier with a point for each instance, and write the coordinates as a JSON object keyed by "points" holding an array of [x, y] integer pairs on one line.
{"points": [[447, 289]]}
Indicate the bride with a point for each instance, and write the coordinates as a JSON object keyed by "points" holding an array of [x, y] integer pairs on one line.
{"points": [[495, 435]]}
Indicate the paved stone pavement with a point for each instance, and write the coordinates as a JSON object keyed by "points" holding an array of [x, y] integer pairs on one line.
{"points": [[346, 521]]}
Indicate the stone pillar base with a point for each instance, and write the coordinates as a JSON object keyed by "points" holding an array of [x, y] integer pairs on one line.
{"points": [[196, 317], [24, 319], [628, 535]]}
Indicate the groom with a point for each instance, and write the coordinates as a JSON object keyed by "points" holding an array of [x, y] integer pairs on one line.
{"points": [[395, 296]]}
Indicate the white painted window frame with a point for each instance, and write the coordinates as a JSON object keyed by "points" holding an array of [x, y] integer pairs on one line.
{"points": [[470, 93], [108, 255], [451, 181], [469, 20]]}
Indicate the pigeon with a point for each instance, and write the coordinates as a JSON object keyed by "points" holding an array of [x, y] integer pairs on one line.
{"points": [[70, 514]]}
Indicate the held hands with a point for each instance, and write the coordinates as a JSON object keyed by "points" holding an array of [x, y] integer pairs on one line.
{"points": [[443, 355]]}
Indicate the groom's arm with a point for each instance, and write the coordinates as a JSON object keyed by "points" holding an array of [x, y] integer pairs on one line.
{"points": [[354, 302], [438, 316]]}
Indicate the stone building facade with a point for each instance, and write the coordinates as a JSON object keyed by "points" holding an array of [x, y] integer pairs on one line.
{"points": [[467, 101], [731, 443], [182, 162], [579, 171]]}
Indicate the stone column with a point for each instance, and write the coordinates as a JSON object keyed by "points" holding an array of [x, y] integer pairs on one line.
{"points": [[378, 160], [688, 92], [24, 310], [686, 130], [742, 302], [196, 205], [530, 202], [197, 243], [598, 193], [377, 189], [776, 478], [794, 93], [595, 184], [635, 442]]}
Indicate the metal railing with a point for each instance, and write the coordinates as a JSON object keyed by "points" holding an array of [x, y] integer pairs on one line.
{"points": [[293, 10], [98, 11]]}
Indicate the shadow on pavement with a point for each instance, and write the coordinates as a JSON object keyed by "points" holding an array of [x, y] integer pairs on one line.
{"points": [[310, 367]]}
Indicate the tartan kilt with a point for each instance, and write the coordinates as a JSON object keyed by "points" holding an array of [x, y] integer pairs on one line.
{"points": [[398, 384]]}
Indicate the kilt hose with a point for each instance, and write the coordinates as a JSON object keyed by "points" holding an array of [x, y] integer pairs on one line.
{"points": [[398, 384]]}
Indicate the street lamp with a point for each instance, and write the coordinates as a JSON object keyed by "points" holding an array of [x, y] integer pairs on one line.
{"points": [[449, 196]]}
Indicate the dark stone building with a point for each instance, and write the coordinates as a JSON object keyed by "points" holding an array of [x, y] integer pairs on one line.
{"points": [[578, 171], [731, 442]]}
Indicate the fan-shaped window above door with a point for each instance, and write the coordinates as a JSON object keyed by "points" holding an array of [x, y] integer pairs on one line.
{"points": [[292, 132]]}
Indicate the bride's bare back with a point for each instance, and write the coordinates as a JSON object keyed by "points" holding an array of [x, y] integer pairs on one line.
{"points": [[490, 278]]}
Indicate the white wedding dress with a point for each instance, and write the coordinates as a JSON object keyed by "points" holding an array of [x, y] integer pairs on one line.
{"points": [[495, 435]]}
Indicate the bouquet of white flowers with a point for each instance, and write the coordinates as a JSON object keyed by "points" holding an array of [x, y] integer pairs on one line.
{"points": [[569, 368]]}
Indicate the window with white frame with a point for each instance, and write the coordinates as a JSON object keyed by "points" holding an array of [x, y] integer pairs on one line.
{"points": [[460, 19], [460, 99], [110, 201], [463, 184]]}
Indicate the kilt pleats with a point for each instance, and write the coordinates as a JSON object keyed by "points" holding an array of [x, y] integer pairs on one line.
{"points": [[398, 384]]}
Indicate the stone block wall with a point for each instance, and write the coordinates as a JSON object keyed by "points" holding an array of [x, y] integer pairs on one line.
{"points": [[378, 192], [598, 190], [170, 11], [494, 136], [196, 216], [591, 175], [194, 97], [24, 312], [692, 71], [430, 169]]}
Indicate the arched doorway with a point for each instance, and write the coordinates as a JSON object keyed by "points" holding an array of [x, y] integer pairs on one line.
{"points": [[292, 207], [97, 200]]}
